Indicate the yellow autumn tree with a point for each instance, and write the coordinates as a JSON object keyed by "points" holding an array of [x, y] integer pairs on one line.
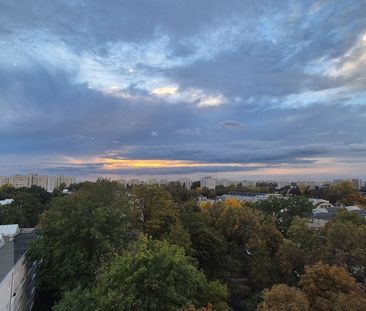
{"points": [[231, 202]]}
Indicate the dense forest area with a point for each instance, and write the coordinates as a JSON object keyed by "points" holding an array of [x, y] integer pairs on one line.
{"points": [[110, 247]]}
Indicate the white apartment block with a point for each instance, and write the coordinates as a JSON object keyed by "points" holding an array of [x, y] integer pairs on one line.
{"points": [[4, 180], [56, 181], [249, 183], [48, 183], [38, 180], [224, 182], [208, 182], [186, 183], [20, 181]]}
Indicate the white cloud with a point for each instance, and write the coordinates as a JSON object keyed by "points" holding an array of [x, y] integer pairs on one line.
{"points": [[165, 90], [353, 61]]}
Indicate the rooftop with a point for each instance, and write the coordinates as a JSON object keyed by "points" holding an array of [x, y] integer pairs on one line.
{"points": [[6, 201], [9, 230]]}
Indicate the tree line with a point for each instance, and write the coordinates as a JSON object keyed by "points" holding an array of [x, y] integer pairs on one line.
{"points": [[108, 247]]}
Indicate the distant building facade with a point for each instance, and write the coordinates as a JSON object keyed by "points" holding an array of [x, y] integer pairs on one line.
{"points": [[208, 182], [356, 183], [48, 183], [186, 183], [56, 181]]}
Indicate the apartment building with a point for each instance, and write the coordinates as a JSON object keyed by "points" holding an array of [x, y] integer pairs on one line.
{"points": [[19, 181], [208, 182], [186, 183], [48, 183], [56, 181], [4, 180]]}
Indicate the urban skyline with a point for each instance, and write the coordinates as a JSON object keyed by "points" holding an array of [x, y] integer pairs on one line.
{"points": [[52, 182]]}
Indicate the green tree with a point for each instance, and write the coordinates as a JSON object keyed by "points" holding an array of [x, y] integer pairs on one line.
{"points": [[24, 210], [151, 275], [290, 260], [284, 210], [155, 210], [346, 245], [79, 232], [251, 242]]}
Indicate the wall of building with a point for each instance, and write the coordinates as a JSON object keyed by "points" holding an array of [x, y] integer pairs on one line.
{"points": [[17, 289]]}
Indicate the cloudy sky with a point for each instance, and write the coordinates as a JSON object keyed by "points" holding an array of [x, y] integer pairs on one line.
{"points": [[269, 89]]}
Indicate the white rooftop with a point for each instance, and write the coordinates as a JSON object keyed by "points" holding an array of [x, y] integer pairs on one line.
{"points": [[320, 210], [317, 201], [6, 201], [9, 230], [352, 208]]}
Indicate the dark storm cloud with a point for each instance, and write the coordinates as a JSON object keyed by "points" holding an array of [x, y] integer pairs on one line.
{"points": [[268, 82]]}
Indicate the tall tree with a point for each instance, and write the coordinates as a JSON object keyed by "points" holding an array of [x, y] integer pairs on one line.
{"points": [[329, 286], [153, 276], [284, 298], [79, 232], [284, 210], [155, 210]]}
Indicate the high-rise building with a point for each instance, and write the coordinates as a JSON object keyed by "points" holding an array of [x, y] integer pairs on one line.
{"points": [[38, 180], [4, 180], [208, 182], [20, 181], [186, 183], [56, 181], [249, 183], [48, 183], [224, 182]]}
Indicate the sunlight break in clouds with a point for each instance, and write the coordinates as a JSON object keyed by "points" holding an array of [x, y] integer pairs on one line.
{"points": [[112, 163]]}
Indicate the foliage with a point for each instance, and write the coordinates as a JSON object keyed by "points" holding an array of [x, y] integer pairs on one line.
{"points": [[346, 245], [247, 244], [155, 210], [28, 205], [90, 257], [151, 275], [284, 298], [284, 210], [323, 288], [76, 300], [329, 287], [79, 232], [344, 193]]}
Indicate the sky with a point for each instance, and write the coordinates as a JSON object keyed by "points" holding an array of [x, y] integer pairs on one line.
{"points": [[168, 88]]}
